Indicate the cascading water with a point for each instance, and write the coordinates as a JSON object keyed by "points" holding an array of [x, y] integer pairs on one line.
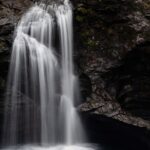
{"points": [[40, 93], [32, 73]]}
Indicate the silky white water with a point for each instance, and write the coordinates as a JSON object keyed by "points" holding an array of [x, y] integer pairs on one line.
{"points": [[59, 147], [41, 84]]}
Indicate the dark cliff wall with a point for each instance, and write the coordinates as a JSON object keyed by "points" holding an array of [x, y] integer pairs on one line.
{"points": [[113, 50]]}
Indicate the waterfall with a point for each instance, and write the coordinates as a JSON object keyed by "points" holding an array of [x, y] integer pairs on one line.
{"points": [[41, 83]]}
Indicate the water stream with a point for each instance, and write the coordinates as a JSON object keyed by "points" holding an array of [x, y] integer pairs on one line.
{"points": [[41, 84]]}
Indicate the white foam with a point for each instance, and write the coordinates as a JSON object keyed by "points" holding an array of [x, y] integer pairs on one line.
{"points": [[59, 147]]}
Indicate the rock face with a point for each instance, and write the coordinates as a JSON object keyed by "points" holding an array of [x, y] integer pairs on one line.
{"points": [[131, 81], [112, 41]]}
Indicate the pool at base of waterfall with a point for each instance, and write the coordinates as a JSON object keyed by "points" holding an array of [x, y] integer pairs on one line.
{"points": [[58, 147]]}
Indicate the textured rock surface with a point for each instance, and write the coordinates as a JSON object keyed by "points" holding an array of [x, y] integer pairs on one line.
{"points": [[112, 40]]}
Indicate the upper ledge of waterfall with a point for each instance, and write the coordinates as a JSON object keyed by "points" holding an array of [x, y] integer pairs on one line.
{"points": [[49, 2]]}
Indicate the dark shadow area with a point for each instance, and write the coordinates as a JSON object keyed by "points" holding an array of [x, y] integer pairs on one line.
{"points": [[111, 134], [131, 81]]}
